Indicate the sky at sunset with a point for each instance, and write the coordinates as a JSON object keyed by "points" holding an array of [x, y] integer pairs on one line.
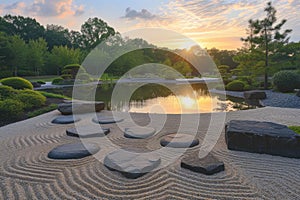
{"points": [[211, 23]]}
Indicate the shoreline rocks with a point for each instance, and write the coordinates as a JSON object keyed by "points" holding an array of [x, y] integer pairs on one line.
{"points": [[255, 95], [80, 107]]}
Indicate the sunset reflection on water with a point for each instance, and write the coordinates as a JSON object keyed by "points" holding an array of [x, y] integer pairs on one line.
{"points": [[181, 105]]}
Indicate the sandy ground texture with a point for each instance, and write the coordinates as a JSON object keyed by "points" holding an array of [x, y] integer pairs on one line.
{"points": [[27, 173]]}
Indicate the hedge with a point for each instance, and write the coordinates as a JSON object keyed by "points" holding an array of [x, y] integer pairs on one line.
{"points": [[31, 99], [236, 85], [286, 81], [57, 81], [11, 109], [7, 92]]}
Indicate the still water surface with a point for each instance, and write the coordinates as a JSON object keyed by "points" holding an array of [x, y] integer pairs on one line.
{"points": [[157, 98]]}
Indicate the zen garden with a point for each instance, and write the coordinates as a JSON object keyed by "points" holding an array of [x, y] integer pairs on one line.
{"points": [[97, 114]]}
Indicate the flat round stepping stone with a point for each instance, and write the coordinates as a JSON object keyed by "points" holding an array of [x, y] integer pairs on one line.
{"points": [[139, 132], [87, 131], [209, 165], [131, 164], [106, 119], [65, 119], [73, 151], [179, 141]]}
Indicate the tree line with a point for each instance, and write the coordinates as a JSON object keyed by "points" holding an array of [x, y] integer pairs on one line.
{"points": [[267, 49], [28, 48]]}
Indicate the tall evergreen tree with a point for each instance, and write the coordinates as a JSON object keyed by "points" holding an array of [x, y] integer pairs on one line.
{"points": [[265, 36]]}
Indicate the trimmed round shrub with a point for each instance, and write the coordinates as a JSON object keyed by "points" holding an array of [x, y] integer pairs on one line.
{"points": [[248, 87], [31, 99], [66, 76], [57, 81], [17, 83], [236, 85], [7, 92], [11, 109], [83, 76], [245, 79], [72, 70], [286, 81]]}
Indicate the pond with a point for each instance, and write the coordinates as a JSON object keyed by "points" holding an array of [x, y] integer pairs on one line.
{"points": [[157, 98]]}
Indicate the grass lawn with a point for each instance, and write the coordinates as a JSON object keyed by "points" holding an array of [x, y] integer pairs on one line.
{"points": [[53, 95], [295, 128], [41, 78]]}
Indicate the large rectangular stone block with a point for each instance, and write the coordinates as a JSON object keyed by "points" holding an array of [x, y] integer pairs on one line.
{"points": [[262, 137]]}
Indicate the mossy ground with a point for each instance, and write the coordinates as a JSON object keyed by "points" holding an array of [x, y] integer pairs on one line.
{"points": [[295, 128]]}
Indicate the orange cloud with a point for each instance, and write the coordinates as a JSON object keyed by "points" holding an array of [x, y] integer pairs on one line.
{"points": [[217, 23]]}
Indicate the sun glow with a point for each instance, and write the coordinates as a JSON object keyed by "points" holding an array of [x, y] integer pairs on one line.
{"points": [[187, 44], [187, 102]]}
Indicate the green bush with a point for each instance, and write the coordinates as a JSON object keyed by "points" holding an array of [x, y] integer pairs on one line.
{"points": [[245, 79], [57, 81], [66, 76], [11, 109], [286, 81], [31, 99], [53, 95], [17, 83], [72, 67], [236, 85], [42, 110], [7, 92], [83, 76], [72, 70], [248, 87]]}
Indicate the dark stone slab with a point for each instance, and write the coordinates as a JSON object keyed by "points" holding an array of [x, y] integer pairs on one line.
{"points": [[87, 131], [36, 84], [131, 164], [73, 151], [179, 141], [209, 165], [65, 119], [106, 119], [80, 107], [262, 137], [298, 93], [254, 102], [139, 132], [255, 94]]}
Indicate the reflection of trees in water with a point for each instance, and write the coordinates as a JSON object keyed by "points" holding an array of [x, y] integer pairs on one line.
{"points": [[138, 97], [150, 91]]}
